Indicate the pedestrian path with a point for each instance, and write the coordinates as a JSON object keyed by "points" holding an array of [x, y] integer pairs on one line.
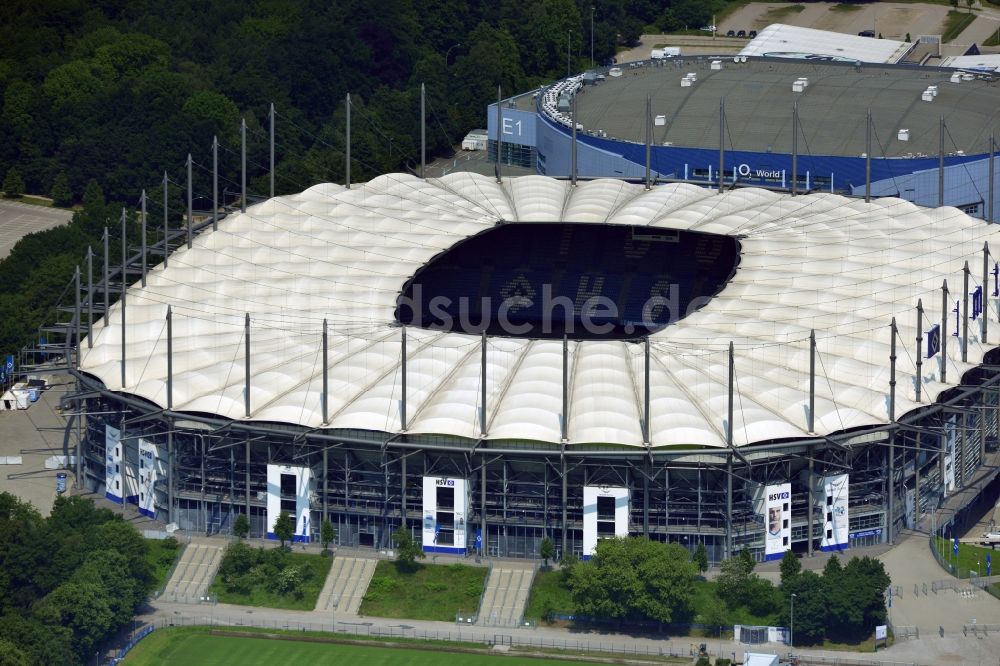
{"points": [[346, 584], [194, 572], [506, 595]]}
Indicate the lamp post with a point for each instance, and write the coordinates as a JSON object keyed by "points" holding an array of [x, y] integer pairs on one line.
{"points": [[592, 37], [569, 39], [448, 52], [791, 628]]}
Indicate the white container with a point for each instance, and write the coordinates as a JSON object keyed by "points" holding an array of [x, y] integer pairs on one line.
{"points": [[21, 398], [660, 120], [685, 82], [716, 64], [615, 71], [804, 80], [956, 77], [903, 135], [797, 87], [927, 96], [933, 89]]}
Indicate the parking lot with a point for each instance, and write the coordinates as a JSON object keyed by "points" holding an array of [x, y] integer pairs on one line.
{"points": [[19, 219]]}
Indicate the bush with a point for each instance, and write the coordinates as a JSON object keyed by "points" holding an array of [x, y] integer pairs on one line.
{"points": [[13, 184], [237, 561]]}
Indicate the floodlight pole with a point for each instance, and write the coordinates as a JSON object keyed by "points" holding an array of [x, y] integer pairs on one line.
{"points": [[920, 346], [402, 404], [565, 388], [649, 139], [499, 131], [868, 156], [166, 227], [326, 377], [347, 147], [646, 430], [984, 315], [992, 178], [722, 142], [729, 460], [107, 277], [965, 313], [190, 209], [423, 133], [572, 145], [890, 520], [215, 183], [76, 312], [812, 381], [246, 364], [795, 147], [271, 163], [170, 357], [482, 388], [90, 297], [243, 165], [124, 290], [941, 161], [944, 331], [143, 216]]}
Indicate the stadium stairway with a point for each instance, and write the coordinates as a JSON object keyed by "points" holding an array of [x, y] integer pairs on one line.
{"points": [[506, 594], [194, 572], [346, 584]]}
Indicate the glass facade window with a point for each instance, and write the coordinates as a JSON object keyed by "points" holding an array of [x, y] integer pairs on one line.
{"points": [[514, 154]]}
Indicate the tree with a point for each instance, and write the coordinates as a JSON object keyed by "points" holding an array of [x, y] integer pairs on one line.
{"points": [[700, 558], [810, 607], [790, 566], [11, 655], [61, 193], [284, 528], [408, 551], [633, 578], [241, 526], [969, 4], [547, 550], [13, 184], [81, 607], [327, 534], [734, 580], [908, 37]]}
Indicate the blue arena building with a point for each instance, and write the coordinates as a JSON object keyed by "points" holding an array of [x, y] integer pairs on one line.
{"points": [[930, 135]]}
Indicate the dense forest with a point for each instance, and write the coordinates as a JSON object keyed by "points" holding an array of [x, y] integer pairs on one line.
{"points": [[113, 94], [67, 582]]}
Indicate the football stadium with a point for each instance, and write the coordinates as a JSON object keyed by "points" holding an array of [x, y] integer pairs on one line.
{"points": [[800, 109], [490, 361]]}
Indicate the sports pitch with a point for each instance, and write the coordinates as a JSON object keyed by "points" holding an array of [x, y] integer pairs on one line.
{"points": [[166, 648]]}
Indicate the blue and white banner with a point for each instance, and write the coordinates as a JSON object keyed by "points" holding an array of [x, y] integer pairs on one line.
{"points": [[833, 496], [288, 490], [777, 510], [10, 366], [596, 522], [147, 478], [112, 464], [933, 340], [444, 508], [989, 563]]}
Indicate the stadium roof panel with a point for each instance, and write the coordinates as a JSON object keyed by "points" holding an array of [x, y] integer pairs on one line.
{"points": [[824, 262], [790, 41]]}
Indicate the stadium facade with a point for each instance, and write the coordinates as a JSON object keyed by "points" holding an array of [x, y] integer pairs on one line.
{"points": [[745, 369], [783, 120]]}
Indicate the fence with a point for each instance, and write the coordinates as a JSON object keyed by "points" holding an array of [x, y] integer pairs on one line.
{"points": [[119, 654]]}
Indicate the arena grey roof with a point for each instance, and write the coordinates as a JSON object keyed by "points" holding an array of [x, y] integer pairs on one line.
{"points": [[832, 107], [839, 266]]}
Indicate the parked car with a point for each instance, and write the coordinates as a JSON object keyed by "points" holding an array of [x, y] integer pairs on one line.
{"points": [[752, 34], [741, 33], [866, 33], [730, 33]]}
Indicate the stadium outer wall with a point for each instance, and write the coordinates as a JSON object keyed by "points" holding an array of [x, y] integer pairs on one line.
{"points": [[515, 494]]}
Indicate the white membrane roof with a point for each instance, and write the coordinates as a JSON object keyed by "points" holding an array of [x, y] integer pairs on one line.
{"points": [[820, 261], [791, 41]]}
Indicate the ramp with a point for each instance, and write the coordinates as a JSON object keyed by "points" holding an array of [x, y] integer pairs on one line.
{"points": [[194, 573], [506, 595], [346, 584]]}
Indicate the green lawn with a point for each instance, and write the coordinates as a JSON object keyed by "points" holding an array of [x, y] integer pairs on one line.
{"points": [[549, 595], [162, 555], [968, 556], [955, 24], [845, 7], [319, 567], [185, 647], [428, 592], [994, 39]]}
